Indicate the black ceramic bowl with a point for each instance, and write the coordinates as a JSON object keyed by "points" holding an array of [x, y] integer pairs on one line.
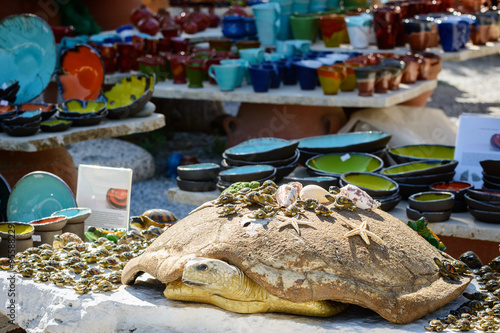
{"points": [[431, 201], [22, 130], [410, 153], [198, 172], [196, 186], [458, 189], [426, 179], [23, 117], [247, 173], [389, 203], [275, 163], [491, 185], [48, 110], [420, 168], [324, 181], [485, 216], [490, 178], [491, 167], [484, 195], [414, 214], [405, 190], [262, 149], [491, 206], [285, 170], [345, 142], [92, 120], [374, 184]]}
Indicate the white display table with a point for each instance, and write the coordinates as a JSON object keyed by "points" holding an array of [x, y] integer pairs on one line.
{"points": [[142, 308]]}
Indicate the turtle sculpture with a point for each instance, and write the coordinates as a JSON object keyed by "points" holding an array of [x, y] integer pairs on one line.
{"points": [[290, 263]]}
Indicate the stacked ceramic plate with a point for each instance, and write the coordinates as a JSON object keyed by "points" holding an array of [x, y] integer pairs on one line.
{"points": [[414, 177], [491, 174], [411, 153], [22, 123], [336, 164], [434, 206], [484, 205], [83, 113], [201, 177], [248, 173], [281, 154], [364, 142], [381, 188]]}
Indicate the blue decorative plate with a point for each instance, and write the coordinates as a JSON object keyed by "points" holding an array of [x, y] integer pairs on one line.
{"points": [[27, 54], [262, 149], [364, 142], [37, 195]]}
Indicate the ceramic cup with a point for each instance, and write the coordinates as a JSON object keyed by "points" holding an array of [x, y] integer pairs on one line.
{"points": [[397, 67], [253, 56], [410, 75], [300, 6], [359, 28], [382, 80], [307, 74], [365, 78], [220, 44], [178, 67], [261, 78], [385, 22], [276, 75], [289, 72], [349, 83], [333, 29], [330, 78], [417, 33], [227, 76], [449, 35], [304, 26], [243, 69]]}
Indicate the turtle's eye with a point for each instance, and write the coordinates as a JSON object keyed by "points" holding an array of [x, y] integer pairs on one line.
{"points": [[202, 267]]}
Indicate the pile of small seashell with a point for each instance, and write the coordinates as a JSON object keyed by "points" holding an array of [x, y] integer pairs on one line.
{"points": [[482, 310], [84, 267]]}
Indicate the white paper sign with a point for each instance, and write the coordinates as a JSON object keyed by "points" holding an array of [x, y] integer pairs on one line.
{"points": [[106, 191], [475, 143]]}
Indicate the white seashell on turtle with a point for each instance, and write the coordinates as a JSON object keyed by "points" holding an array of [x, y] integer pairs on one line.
{"points": [[360, 198], [314, 192]]}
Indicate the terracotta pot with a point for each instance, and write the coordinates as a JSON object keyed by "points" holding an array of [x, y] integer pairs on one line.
{"points": [[282, 121]]}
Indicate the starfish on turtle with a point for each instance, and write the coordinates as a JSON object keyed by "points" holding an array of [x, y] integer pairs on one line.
{"points": [[362, 231], [294, 223]]}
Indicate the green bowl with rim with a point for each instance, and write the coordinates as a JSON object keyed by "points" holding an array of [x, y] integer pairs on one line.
{"points": [[419, 168], [335, 164], [374, 184], [410, 153], [431, 201]]}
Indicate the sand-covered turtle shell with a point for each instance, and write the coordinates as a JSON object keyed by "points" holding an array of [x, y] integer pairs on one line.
{"points": [[397, 278]]}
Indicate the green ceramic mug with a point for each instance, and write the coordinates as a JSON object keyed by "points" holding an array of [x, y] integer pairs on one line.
{"points": [[305, 26], [195, 74]]}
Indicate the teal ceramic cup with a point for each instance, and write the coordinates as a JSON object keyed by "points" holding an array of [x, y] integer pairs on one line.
{"points": [[227, 76], [253, 56], [243, 69]]}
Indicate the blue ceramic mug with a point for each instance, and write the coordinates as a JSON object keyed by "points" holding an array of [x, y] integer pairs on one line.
{"points": [[276, 75], [261, 78], [243, 73], [307, 73], [233, 26], [449, 34], [254, 56], [226, 76]]}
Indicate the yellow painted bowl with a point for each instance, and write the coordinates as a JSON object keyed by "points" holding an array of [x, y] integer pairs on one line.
{"points": [[18, 230], [129, 96]]}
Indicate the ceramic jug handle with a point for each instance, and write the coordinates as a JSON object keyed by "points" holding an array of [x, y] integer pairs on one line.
{"points": [[211, 73]]}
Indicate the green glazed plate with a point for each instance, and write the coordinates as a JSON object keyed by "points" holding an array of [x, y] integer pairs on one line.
{"points": [[338, 163], [411, 153], [369, 180]]}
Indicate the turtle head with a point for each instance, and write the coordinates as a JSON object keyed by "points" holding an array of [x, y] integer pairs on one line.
{"points": [[211, 275]]}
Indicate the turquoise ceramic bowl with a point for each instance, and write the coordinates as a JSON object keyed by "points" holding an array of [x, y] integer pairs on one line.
{"points": [[74, 214], [247, 173], [338, 163]]}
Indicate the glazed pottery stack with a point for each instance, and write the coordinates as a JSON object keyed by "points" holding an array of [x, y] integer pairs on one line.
{"points": [[484, 205], [458, 189], [22, 232], [248, 173], [434, 206], [21, 123], [76, 217], [381, 188], [280, 154], [200, 177], [419, 166], [491, 174], [414, 177], [83, 113], [372, 142]]}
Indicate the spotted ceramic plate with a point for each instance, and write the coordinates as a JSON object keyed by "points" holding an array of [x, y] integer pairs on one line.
{"points": [[27, 54], [83, 73]]}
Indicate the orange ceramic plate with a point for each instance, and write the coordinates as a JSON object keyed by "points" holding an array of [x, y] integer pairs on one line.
{"points": [[83, 73]]}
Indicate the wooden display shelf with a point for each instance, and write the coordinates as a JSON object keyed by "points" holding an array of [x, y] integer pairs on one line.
{"points": [[293, 95]]}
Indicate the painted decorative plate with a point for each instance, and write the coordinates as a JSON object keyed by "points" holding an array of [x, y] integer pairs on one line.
{"points": [[117, 197], [37, 195], [83, 73], [27, 54]]}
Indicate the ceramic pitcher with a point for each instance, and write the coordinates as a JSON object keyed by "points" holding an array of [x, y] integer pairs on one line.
{"points": [[267, 19]]}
